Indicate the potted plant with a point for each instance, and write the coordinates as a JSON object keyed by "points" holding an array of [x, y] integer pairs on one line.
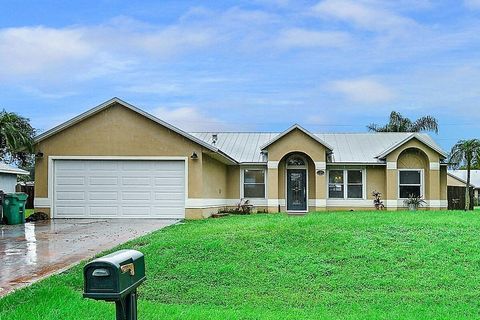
{"points": [[414, 202], [377, 200]]}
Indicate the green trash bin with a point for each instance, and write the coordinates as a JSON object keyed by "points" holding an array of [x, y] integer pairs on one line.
{"points": [[14, 207]]}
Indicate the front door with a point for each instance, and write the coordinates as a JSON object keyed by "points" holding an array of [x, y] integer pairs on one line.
{"points": [[296, 190]]}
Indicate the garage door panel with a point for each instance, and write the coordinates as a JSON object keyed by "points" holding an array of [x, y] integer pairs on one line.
{"points": [[103, 195], [119, 188], [103, 166], [104, 211], [169, 196], [71, 195], [103, 180], [70, 181], [136, 195], [135, 181], [168, 181], [70, 211]]}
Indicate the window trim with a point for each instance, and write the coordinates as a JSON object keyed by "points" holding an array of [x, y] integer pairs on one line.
{"points": [[422, 182], [345, 183], [242, 181]]}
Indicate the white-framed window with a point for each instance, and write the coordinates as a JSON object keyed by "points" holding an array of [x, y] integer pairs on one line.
{"points": [[410, 182], [346, 184], [253, 183]]}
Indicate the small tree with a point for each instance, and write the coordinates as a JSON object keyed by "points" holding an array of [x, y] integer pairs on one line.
{"points": [[399, 123], [465, 153], [16, 139]]}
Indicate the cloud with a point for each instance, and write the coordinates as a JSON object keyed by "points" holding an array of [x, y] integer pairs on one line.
{"points": [[27, 50], [88, 52], [472, 4], [362, 15], [302, 38], [363, 90], [189, 119]]}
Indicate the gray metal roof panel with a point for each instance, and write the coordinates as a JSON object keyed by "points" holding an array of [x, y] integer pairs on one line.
{"points": [[462, 174], [347, 147]]}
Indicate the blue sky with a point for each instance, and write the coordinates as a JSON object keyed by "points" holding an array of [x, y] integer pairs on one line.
{"points": [[332, 65]]}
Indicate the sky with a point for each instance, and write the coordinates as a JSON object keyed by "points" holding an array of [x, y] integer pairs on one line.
{"points": [[330, 65]]}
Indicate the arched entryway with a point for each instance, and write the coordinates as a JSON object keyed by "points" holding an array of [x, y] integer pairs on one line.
{"points": [[296, 185]]}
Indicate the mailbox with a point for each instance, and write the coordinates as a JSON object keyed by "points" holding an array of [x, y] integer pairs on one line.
{"points": [[116, 277]]}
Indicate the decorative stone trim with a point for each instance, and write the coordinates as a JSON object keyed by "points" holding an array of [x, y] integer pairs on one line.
{"points": [[391, 165], [320, 165], [434, 165], [41, 202], [272, 164]]}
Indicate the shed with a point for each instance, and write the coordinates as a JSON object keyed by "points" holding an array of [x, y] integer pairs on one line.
{"points": [[8, 177]]}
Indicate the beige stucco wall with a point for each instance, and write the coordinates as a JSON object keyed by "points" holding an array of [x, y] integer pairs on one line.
{"points": [[214, 178], [375, 179], [296, 141], [404, 157], [119, 131], [233, 178]]}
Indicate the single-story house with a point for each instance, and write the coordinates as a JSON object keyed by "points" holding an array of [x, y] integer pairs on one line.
{"points": [[117, 161], [458, 178], [8, 177]]}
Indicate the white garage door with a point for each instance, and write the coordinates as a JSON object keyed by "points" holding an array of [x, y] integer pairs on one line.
{"points": [[119, 189]]}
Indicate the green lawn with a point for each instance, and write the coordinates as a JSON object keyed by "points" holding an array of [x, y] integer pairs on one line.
{"points": [[28, 212], [343, 265]]}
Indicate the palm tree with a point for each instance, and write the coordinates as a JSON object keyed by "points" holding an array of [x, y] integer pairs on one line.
{"points": [[466, 153], [16, 139], [399, 123]]}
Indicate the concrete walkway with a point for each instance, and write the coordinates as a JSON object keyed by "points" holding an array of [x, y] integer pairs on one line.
{"points": [[33, 251]]}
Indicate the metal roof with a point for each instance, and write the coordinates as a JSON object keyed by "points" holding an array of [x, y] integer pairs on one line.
{"points": [[5, 168], [462, 175], [246, 147], [298, 127]]}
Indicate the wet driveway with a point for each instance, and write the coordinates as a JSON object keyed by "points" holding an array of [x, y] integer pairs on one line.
{"points": [[35, 250]]}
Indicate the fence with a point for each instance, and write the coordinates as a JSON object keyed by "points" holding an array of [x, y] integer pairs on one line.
{"points": [[456, 198], [30, 190]]}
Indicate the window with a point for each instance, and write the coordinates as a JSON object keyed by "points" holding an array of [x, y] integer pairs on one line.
{"points": [[355, 184], [410, 183], [335, 184], [295, 161], [254, 183], [345, 184]]}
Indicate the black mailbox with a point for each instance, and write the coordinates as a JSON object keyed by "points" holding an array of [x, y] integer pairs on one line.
{"points": [[116, 277]]}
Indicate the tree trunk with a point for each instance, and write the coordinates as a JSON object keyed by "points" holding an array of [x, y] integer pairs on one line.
{"points": [[467, 190]]}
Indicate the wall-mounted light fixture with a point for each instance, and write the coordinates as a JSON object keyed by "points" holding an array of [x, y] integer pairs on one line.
{"points": [[194, 156], [321, 172], [39, 155]]}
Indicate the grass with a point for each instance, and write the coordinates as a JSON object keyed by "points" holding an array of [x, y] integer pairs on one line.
{"points": [[337, 265], [28, 212]]}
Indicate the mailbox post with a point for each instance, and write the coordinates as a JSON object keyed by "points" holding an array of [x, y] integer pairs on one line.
{"points": [[115, 278]]}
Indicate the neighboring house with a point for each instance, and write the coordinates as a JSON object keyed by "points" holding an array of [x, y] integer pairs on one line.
{"points": [[458, 178], [8, 177], [117, 161]]}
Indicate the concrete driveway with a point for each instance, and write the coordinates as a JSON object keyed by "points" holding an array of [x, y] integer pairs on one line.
{"points": [[33, 251]]}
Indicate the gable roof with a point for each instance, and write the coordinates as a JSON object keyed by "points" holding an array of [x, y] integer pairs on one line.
{"points": [[462, 176], [298, 127], [116, 100], [348, 148], [5, 168], [421, 137]]}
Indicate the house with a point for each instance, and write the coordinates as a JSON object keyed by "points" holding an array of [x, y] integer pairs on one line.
{"points": [[458, 178], [117, 161], [8, 177]]}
